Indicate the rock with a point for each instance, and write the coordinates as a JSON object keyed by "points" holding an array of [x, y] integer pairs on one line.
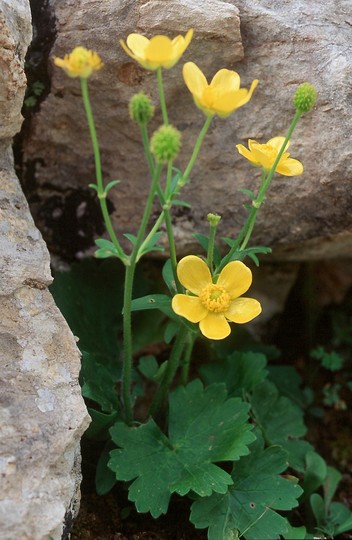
{"points": [[283, 45], [15, 34], [42, 413]]}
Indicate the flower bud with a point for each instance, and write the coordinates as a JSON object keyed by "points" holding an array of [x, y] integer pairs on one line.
{"points": [[165, 143], [141, 109], [304, 97], [213, 219]]}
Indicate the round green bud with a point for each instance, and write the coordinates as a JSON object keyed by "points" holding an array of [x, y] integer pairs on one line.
{"points": [[304, 97], [165, 143], [213, 219], [141, 109]]}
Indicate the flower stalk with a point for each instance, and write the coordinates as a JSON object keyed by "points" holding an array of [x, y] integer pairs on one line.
{"points": [[98, 171]]}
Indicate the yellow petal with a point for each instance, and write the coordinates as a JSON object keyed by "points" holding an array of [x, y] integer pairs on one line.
{"points": [[159, 50], [128, 51], [59, 62], [246, 153], [193, 274], [227, 103], [290, 167], [261, 156], [243, 310], [180, 43], [226, 80], [215, 326], [194, 79], [137, 44], [189, 307], [236, 278], [250, 92], [277, 142]]}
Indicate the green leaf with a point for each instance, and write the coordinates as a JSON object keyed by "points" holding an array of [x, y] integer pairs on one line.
{"points": [[168, 277], [177, 202], [153, 301], [342, 517], [331, 482], [98, 379], [106, 249], [101, 423], [131, 237], [111, 185], [248, 252], [241, 372], [281, 422], [332, 361], [317, 505], [148, 366], [248, 507], [205, 427], [289, 383], [248, 192], [104, 477], [171, 330], [151, 245], [315, 474], [295, 533]]}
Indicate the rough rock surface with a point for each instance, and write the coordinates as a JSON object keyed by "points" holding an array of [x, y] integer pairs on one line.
{"points": [[42, 413], [283, 44]]}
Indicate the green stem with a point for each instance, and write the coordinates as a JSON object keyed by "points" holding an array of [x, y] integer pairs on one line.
{"points": [[210, 253], [168, 179], [196, 149], [98, 170], [127, 343], [169, 228], [170, 372], [162, 96], [187, 358], [266, 183], [247, 229], [172, 248], [129, 277], [154, 230], [146, 146]]}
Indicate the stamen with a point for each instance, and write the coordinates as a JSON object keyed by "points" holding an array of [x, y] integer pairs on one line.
{"points": [[215, 298]]}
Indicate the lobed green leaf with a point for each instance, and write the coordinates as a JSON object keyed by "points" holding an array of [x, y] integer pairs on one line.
{"points": [[205, 427]]}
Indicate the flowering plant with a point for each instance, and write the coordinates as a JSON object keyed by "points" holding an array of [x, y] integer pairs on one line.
{"points": [[226, 411]]}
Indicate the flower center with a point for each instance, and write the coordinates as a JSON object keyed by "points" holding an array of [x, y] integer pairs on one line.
{"points": [[270, 152], [215, 298]]}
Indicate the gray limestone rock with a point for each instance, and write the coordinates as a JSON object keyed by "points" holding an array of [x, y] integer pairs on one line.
{"points": [[42, 413], [280, 43]]}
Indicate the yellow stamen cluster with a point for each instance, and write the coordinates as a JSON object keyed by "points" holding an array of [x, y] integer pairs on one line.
{"points": [[215, 298]]}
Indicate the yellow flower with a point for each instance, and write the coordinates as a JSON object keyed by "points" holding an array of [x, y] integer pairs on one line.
{"points": [[214, 303], [80, 62], [160, 51], [222, 96], [264, 155]]}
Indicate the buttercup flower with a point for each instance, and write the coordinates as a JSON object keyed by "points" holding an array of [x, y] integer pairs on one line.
{"points": [[159, 51], [80, 62], [222, 96], [214, 304], [264, 155]]}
